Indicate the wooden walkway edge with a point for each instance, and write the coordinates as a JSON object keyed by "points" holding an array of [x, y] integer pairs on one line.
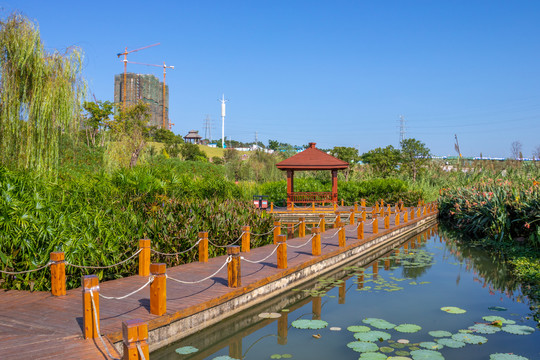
{"points": [[36, 325]]}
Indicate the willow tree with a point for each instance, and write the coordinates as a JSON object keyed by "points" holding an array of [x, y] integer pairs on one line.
{"points": [[40, 96]]}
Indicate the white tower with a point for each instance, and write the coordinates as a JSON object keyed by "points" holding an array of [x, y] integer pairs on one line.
{"points": [[223, 101]]}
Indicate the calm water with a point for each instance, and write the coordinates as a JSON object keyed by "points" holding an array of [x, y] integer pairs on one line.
{"points": [[405, 285]]}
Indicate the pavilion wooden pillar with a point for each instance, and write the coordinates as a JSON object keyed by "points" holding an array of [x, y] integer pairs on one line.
{"points": [[334, 186], [290, 187]]}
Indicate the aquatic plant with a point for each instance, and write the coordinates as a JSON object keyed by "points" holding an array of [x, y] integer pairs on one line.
{"points": [[309, 324], [453, 310], [184, 350]]}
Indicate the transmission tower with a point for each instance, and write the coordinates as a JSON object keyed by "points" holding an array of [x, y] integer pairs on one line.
{"points": [[208, 128], [256, 138], [401, 129]]}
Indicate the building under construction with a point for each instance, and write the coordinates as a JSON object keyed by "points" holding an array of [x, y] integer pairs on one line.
{"points": [[148, 88]]}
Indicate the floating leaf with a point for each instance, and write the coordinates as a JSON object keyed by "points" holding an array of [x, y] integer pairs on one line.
{"points": [[372, 356], [440, 333], [498, 318], [497, 308], [426, 355], [431, 345], [500, 356], [484, 329], [271, 315], [400, 354], [224, 357], [398, 345], [451, 343], [275, 356], [518, 329], [386, 349], [465, 331], [363, 346], [453, 310], [184, 350], [309, 324], [408, 328], [403, 341], [285, 310], [379, 323], [358, 328], [335, 328], [470, 338], [286, 356], [372, 336]]}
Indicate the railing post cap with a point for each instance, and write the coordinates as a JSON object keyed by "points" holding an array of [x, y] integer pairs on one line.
{"points": [[203, 234], [158, 268], [245, 228], [89, 281], [277, 223], [321, 215], [130, 330], [233, 250], [281, 239], [57, 256], [144, 243], [315, 230]]}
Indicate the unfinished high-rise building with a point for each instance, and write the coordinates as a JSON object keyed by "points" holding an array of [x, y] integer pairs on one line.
{"points": [[148, 88]]}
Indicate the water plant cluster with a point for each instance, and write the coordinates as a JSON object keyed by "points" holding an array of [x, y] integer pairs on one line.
{"points": [[503, 215]]}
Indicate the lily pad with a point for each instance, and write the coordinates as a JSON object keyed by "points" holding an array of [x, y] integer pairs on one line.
{"points": [[372, 356], [401, 355], [518, 329], [224, 357], [484, 329], [440, 333], [408, 328], [309, 324], [379, 323], [358, 328], [397, 345], [497, 308], [275, 356], [451, 343], [500, 356], [430, 345], [335, 328], [386, 349], [363, 346], [426, 355], [470, 338], [403, 341], [271, 315], [372, 336], [184, 350], [492, 318], [286, 356], [453, 310]]}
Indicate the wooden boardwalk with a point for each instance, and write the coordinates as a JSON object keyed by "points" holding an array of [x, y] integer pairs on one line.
{"points": [[37, 325]]}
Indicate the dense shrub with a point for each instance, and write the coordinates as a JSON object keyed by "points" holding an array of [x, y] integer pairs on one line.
{"points": [[97, 219]]}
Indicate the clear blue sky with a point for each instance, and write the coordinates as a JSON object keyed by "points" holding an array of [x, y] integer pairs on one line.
{"points": [[339, 73]]}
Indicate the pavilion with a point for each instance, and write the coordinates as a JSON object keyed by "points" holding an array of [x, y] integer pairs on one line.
{"points": [[311, 159]]}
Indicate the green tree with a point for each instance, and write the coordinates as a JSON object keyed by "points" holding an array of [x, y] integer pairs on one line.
{"points": [[192, 152], [172, 142], [129, 130], [97, 117], [384, 161], [40, 96], [348, 154], [414, 155]]}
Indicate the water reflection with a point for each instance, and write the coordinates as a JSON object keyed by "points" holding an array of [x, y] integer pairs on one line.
{"points": [[409, 257]]}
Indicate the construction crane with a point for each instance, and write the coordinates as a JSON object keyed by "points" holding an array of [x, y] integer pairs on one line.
{"points": [[164, 76], [125, 53], [456, 146]]}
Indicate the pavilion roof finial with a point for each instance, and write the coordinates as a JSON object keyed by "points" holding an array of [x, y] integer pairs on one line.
{"points": [[312, 145]]}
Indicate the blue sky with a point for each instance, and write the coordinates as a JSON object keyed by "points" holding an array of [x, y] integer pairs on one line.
{"points": [[339, 73]]}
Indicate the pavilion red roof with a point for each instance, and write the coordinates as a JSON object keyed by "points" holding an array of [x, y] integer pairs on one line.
{"points": [[312, 159]]}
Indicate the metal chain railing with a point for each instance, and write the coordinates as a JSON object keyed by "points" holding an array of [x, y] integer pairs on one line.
{"points": [[228, 260], [259, 261], [96, 324], [178, 253], [150, 279], [107, 266]]}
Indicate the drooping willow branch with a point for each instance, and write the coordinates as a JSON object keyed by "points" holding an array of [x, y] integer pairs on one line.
{"points": [[40, 96]]}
